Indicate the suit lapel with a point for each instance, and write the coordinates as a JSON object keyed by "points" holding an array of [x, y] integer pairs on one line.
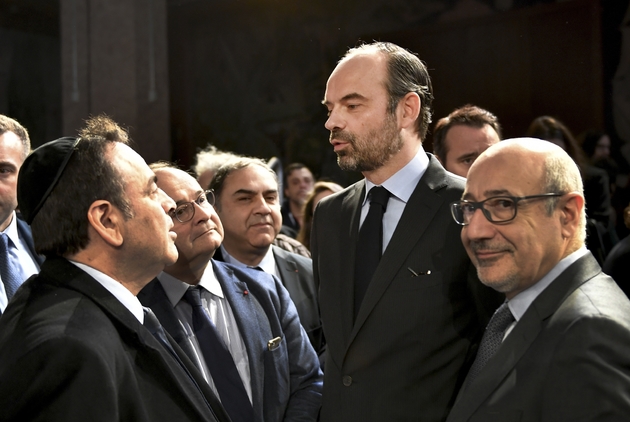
{"points": [[422, 206], [166, 367], [248, 325], [350, 217], [522, 336]]}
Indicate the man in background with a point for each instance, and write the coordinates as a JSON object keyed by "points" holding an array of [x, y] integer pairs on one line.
{"points": [[247, 202], [298, 184], [460, 137], [18, 259]]}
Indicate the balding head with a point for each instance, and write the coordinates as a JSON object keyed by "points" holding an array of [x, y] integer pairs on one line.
{"points": [[546, 227]]}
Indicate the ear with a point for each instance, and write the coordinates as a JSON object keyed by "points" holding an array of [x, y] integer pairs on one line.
{"points": [[106, 220], [571, 210], [409, 110]]}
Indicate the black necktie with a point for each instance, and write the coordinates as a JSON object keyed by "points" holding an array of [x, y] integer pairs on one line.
{"points": [[491, 340], [370, 244], [9, 270], [219, 360]]}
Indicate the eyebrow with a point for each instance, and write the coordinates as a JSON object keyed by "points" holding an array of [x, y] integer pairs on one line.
{"points": [[251, 192], [183, 201], [489, 193], [348, 97]]}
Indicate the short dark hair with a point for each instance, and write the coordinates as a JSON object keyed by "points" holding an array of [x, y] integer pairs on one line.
{"points": [[218, 181], [468, 115], [8, 124], [406, 73], [290, 169], [60, 228]]}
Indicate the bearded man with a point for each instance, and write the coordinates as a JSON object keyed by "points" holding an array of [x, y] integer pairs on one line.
{"points": [[401, 306]]}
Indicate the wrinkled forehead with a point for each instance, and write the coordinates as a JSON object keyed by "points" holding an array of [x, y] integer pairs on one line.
{"points": [[177, 184]]}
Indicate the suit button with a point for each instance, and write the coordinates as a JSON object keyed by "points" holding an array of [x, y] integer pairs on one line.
{"points": [[347, 380]]}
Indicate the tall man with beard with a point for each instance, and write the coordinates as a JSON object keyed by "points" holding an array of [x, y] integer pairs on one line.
{"points": [[400, 340]]}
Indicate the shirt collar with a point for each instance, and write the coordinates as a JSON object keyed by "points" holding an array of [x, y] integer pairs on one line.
{"points": [[120, 292], [268, 263], [519, 303], [402, 183], [12, 231], [175, 288]]}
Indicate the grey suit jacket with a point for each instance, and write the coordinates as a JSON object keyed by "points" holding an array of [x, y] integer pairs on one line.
{"points": [[422, 316], [296, 274], [286, 381], [70, 351], [567, 358]]}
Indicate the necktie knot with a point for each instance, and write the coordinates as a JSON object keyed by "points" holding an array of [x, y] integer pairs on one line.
{"points": [[379, 196], [193, 296]]}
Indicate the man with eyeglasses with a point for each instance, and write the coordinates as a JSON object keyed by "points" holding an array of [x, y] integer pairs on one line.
{"points": [[558, 349], [239, 326]]}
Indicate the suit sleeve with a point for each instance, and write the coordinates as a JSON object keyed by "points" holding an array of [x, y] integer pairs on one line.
{"points": [[304, 369], [589, 378]]}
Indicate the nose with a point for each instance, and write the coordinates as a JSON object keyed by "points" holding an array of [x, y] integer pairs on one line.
{"points": [[479, 227], [334, 121], [261, 206], [202, 213], [167, 202]]}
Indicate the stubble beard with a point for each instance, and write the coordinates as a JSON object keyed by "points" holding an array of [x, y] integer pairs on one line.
{"points": [[371, 151]]}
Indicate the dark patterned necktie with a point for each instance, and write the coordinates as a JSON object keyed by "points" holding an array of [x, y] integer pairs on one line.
{"points": [[220, 362], [370, 244], [491, 340], [9, 269]]}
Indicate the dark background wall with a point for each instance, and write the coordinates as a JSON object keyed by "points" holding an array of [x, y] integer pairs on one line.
{"points": [[249, 75]]}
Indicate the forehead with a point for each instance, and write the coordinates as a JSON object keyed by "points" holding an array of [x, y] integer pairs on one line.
{"points": [[177, 184], [506, 173], [128, 162], [251, 177], [464, 136], [11, 147], [300, 173], [362, 74]]}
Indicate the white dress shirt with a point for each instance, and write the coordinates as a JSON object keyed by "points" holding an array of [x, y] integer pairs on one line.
{"points": [[218, 308], [401, 185]]}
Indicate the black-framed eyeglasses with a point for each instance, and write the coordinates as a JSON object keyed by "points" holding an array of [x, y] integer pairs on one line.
{"points": [[186, 210], [497, 209]]}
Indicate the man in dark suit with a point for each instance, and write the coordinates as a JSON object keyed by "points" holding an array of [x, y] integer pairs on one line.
{"points": [[563, 351], [400, 350], [252, 312], [72, 342], [15, 146], [246, 191]]}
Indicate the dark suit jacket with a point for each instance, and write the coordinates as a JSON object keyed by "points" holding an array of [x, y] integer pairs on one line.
{"points": [[567, 359], [70, 351], [412, 343], [296, 274], [286, 382], [24, 231]]}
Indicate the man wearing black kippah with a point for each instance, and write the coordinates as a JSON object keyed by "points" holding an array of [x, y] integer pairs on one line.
{"points": [[72, 342]]}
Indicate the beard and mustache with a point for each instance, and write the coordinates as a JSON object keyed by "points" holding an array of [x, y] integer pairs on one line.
{"points": [[370, 151]]}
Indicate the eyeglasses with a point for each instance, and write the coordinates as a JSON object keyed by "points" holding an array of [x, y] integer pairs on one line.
{"points": [[498, 209], [186, 210]]}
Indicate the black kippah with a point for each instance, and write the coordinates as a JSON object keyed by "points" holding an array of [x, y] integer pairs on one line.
{"points": [[40, 173]]}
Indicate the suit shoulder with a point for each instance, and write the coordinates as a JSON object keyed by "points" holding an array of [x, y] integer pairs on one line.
{"points": [[282, 254]]}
